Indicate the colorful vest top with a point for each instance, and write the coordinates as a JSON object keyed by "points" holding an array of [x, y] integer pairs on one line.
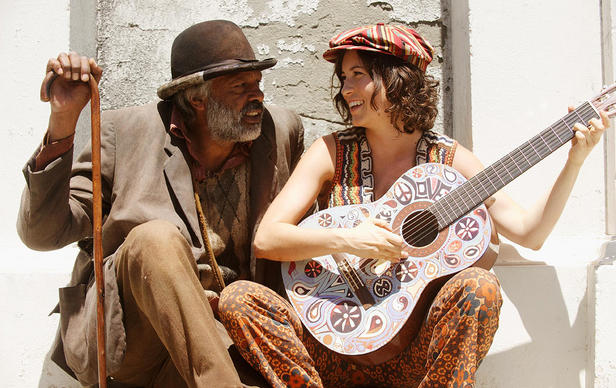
{"points": [[353, 181]]}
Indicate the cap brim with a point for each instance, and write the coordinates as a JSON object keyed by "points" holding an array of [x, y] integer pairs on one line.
{"points": [[331, 55], [170, 88]]}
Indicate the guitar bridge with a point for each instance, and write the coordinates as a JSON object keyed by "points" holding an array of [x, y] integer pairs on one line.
{"points": [[354, 281]]}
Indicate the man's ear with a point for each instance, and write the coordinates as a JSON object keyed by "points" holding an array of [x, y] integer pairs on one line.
{"points": [[198, 102]]}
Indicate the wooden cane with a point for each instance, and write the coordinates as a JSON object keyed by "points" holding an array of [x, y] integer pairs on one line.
{"points": [[97, 222]]}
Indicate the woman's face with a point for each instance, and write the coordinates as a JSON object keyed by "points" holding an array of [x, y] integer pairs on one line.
{"points": [[357, 90]]}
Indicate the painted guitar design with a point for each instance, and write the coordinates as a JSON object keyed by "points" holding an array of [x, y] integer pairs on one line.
{"points": [[369, 311]]}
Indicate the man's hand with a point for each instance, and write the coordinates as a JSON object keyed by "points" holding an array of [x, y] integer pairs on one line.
{"points": [[66, 88]]}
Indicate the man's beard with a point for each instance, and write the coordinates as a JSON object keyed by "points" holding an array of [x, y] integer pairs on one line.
{"points": [[226, 125]]}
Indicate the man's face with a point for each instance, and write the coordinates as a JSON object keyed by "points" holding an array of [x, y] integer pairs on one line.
{"points": [[235, 107]]}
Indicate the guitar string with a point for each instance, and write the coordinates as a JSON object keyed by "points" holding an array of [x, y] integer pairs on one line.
{"points": [[490, 172], [493, 170], [497, 168], [585, 109]]}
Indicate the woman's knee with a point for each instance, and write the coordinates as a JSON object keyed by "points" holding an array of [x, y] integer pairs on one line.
{"points": [[483, 289], [234, 295]]}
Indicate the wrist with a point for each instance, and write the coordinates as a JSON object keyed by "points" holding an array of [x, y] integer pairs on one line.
{"points": [[61, 125], [342, 240], [574, 163]]}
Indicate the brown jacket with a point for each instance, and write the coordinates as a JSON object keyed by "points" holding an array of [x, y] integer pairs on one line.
{"points": [[144, 177]]}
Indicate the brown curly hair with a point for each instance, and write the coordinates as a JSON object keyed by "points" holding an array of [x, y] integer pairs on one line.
{"points": [[413, 95]]}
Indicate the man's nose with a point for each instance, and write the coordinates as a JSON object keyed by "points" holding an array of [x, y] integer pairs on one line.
{"points": [[255, 94]]}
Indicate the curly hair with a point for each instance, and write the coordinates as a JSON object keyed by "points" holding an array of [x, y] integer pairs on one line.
{"points": [[413, 95]]}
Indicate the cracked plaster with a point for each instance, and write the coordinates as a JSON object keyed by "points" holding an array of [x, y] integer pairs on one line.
{"points": [[133, 41]]}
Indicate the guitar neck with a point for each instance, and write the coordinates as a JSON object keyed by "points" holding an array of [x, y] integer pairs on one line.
{"points": [[469, 195]]}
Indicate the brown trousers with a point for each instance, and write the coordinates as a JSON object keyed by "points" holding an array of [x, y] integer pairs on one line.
{"points": [[173, 339]]}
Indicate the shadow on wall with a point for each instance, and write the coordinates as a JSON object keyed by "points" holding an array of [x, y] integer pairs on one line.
{"points": [[535, 307]]}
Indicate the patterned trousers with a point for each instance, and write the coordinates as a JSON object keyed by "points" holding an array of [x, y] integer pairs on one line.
{"points": [[451, 343]]}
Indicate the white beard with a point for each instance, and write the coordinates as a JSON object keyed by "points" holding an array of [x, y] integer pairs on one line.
{"points": [[226, 125]]}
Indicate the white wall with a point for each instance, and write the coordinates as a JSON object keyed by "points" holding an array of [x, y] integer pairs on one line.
{"points": [[525, 62], [30, 32]]}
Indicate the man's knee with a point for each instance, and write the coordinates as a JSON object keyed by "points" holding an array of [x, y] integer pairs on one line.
{"points": [[153, 232], [153, 244]]}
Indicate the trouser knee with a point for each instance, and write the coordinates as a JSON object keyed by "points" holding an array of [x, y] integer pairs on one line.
{"points": [[154, 246], [234, 295], [481, 295]]}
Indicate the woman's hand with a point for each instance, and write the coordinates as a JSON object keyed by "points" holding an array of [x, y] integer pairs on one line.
{"points": [[586, 138], [374, 239]]}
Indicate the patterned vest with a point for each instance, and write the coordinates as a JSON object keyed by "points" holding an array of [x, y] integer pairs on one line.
{"points": [[353, 181]]}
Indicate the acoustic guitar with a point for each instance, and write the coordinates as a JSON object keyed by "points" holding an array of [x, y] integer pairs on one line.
{"points": [[369, 310]]}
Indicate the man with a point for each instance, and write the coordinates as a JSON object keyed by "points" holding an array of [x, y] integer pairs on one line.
{"points": [[211, 139]]}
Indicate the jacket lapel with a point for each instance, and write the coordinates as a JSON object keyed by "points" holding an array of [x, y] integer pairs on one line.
{"points": [[179, 181], [264, 173], [263, 178]]}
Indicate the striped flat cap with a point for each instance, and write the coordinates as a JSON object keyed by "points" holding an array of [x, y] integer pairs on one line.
{"points": [[400, 41]]}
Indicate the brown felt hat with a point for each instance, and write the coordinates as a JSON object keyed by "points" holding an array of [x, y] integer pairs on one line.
{"points": [[207, 50]]}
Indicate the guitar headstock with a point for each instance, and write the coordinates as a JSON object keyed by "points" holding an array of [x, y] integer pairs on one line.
{"points": [[606, 100]]}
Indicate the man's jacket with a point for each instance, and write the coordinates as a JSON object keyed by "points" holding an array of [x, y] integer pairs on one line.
{"points": [[144, 177]]}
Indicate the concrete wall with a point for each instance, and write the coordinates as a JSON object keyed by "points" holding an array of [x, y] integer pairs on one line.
{"points": [[508, 70]]}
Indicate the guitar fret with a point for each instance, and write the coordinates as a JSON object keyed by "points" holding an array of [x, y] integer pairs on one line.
{"points": [[457, 201], [516, 164], [499, 177], [555, 139], [556, 133], [448, 202], [490, 180], [546, 143]]}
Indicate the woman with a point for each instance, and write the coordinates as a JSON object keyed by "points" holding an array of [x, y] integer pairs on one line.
{"points": [[391, 103]]}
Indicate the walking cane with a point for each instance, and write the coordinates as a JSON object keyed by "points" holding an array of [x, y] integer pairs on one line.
{"points": [[97, 221]]}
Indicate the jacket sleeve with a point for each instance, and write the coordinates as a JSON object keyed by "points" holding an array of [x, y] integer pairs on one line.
{"points": [[56, 204], [298, 144]]}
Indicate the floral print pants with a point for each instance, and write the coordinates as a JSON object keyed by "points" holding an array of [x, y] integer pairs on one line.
{"points": [[450, 345]]}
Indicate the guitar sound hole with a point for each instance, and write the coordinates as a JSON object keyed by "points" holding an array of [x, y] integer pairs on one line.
{"points": [[420, 228]]}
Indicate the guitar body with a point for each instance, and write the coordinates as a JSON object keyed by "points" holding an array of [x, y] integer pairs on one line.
{"points": [[401, 292]]}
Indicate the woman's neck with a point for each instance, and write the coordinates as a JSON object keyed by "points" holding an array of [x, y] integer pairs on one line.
{"points": [[393, 153], [387, 143]]}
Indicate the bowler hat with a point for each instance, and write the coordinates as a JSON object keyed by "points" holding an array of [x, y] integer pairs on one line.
{"points": [[207, 50]]}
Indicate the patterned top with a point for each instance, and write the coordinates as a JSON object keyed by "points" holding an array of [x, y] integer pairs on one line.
{"points": [[225, 198], [353, 181]]}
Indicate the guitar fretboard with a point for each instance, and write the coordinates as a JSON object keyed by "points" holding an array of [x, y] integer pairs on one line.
{"points": [[469, 195]]}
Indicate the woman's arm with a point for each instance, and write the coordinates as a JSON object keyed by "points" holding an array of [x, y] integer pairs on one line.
{"points": [[278, 237], [531, 227]]}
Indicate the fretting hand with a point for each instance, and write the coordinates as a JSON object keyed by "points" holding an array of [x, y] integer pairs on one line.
{"points": [[586, 138]]}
